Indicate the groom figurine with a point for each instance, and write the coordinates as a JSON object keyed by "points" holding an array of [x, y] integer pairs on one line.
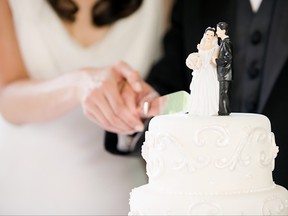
{"points": [[224, 71]]}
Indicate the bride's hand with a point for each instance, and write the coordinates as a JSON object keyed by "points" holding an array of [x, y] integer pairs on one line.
{"points": [[102, 101]]}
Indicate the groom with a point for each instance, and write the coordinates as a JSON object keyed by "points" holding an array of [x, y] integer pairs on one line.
{"points": [[224, 71]]}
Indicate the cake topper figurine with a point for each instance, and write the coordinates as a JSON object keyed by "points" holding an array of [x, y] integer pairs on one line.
{"points": [[210, 85], [224, 71], [204, 87]]}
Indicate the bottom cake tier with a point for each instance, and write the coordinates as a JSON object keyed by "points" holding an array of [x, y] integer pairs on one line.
{"points": [[146, 200]]}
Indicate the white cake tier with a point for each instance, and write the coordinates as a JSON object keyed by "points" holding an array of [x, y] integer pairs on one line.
{"points": [[147, 200], [214, 154]]}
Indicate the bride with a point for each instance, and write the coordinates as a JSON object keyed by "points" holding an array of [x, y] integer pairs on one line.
{"points": [[57, 95], [204, 87]]}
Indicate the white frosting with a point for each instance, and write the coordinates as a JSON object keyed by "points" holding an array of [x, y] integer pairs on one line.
{"points": [[194, 157], [147, 200]]}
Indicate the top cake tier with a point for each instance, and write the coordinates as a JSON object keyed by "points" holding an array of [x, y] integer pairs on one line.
{"points": [[210, 154]]}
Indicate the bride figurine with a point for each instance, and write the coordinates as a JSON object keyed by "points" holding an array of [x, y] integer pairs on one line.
{"points": [[204, 87]]}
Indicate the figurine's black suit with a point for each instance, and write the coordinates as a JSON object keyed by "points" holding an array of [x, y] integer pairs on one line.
{"points": [[260, 60], [224, 74]]}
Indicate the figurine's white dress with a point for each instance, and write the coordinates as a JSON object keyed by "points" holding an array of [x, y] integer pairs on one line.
{"points": [[61, 167], [204, 87]]}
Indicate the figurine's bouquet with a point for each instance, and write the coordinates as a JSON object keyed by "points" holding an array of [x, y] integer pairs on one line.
{"points": [[193, 61]]}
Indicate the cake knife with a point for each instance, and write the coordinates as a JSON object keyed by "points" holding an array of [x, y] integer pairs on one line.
{"points": [[177, 102]]}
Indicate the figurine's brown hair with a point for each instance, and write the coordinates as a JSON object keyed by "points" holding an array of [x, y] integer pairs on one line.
{"points": [[104, 12], [223, 26], [211, 29]]}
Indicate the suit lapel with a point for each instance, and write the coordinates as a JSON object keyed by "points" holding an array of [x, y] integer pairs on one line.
{"points": [[278, 43]]}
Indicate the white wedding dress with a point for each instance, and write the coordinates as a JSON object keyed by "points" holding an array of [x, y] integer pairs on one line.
{"points": [[204, 87], [61, 167]]}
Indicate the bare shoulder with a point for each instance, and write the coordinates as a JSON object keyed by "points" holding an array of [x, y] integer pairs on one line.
{"points": [[11, 63], [4, 9]]}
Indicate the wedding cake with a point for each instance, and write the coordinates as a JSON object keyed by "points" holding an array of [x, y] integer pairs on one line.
{"points": [[204, 164], [209, 165]]}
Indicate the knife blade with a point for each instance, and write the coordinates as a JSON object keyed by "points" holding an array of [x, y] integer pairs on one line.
{"points": [[177, 102]]}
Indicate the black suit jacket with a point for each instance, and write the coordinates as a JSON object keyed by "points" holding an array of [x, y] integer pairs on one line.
{"points": [[224, 60], [189, 20]]}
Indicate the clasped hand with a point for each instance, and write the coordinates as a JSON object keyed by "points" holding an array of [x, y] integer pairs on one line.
{"points": [[112, 97]]}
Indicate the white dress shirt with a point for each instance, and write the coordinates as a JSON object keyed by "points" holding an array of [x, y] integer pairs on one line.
{"points": [[255, 4]]}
